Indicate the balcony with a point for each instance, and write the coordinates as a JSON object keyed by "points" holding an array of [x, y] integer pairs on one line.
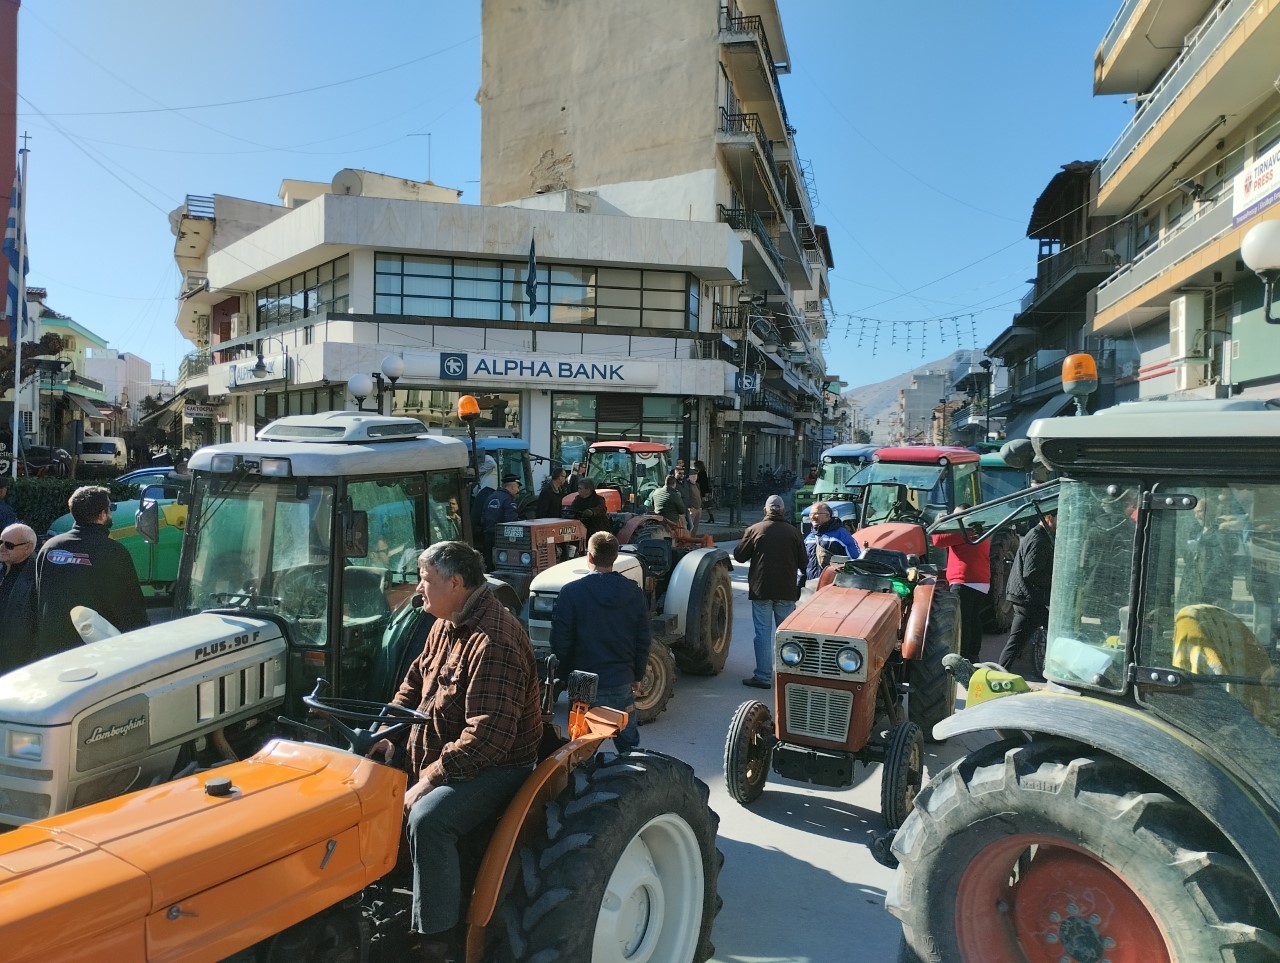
{"points": [[1229, 60], [754, 71], [748, 222], [746, 132], [1063, 279], [194, 364], [730, 317], [1141, 42]]}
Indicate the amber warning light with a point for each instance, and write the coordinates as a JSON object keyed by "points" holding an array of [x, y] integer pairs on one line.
{"points": [[468, 408], [1079, 378]]}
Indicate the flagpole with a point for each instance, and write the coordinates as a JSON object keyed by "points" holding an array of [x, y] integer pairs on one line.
{"points": [[18, 310]]}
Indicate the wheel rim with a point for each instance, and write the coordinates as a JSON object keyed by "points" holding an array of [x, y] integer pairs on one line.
{"points": [[1028, 898], [914, 776], [755, 758], [653, 684], [651, 910], [718, 618]]}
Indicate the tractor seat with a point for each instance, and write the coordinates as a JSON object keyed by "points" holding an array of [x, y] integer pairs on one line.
{"points": [[885, 556], [656, 553], [1209, 640]]}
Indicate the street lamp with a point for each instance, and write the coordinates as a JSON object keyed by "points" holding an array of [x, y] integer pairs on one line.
{"points": [[751, 303], [362, 386], [260, 369], [985, 365], [1261, 252]]}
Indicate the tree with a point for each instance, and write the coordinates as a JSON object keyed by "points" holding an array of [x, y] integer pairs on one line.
{"points": [[49, 346]]}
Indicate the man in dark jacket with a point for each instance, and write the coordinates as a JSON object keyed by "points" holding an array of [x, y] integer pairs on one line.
{"points": [[666, 501], [776, 552], [85, 567], [589, 507], [553, 492], [1030, 580], [17, 597], [601, 625], [499, 509]]}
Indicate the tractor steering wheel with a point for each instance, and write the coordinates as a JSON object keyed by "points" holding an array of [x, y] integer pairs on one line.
{"points": [[385, 720], [868, 566]]}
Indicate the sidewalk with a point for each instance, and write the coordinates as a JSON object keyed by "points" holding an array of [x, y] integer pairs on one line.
{"points": [[722, 531]]}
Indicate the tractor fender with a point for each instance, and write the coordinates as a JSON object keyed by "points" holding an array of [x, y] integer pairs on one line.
{"points": [[1173, 757], [918, 621], [687, 581], [506, 594]]}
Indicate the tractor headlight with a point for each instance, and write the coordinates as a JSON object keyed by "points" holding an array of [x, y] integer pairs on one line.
{"points": [[26, 745], [275, 467], [502, 558], [526, 558], [224, 463], [849, 659], [542, 606], [791, 653]]}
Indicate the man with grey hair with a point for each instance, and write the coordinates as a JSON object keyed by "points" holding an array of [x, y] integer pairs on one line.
{"points": [[778, 560], [476, 682], [17, 596], [85, 567]]}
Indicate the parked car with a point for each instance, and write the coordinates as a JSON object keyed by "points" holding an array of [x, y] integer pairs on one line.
{"points": [[42, 460]]}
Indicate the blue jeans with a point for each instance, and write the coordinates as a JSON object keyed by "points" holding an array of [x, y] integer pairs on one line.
{"points": [[767, 615], [620, 698], [435, 824]]}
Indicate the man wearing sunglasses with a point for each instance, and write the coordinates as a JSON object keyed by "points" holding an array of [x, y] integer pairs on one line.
{"points": [[85, 567], [17, 596]]}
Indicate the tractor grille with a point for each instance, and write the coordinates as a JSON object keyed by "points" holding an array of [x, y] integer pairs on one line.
{"points": [[818, 712], [820, 656]]}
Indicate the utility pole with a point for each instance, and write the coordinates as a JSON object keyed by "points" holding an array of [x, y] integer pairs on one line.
{"points": [[985, 365]]}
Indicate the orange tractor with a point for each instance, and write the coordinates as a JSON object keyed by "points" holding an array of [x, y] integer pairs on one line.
{"points": [[291, 855]]}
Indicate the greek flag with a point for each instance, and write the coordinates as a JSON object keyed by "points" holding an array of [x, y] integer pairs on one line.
{"points": [[531, 281], [15, 252]]}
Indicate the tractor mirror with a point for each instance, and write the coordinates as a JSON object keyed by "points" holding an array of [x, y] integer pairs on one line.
{"points": [[147, 517], [355, 534]]}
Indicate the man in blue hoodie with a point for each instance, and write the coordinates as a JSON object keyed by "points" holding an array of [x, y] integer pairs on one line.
{"points": [[601, 625]]}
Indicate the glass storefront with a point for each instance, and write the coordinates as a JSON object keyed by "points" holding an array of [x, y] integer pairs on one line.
{"points": [[578, 420], [439, 409]]}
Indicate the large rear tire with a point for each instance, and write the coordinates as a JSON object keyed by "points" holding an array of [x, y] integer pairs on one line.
{"points": [[624, 868], [902, 773], [997, 611], [747, 749], [1047, 850], [658, 685], [933, 691], [709, 625]]}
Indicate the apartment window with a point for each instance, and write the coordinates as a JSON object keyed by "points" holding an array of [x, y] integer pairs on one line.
{"points": [[322, 289]]}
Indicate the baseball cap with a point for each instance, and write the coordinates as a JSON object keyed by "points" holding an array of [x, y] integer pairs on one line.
{"points": [[774, 504], [508, 479]]}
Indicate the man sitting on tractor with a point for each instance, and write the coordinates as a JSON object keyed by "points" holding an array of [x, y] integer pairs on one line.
{"points": [[477, 683], [589, 507], [666, 501], [827, 537]]}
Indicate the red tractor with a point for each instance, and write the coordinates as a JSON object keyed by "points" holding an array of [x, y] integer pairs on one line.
{"points": [[626, 473]]}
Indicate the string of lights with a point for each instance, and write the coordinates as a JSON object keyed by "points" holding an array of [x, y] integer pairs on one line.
{"points": [[961, 330]]}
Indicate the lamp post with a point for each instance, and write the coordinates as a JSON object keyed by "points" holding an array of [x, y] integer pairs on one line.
{"points": [[1260, 250], [362, 386], [751, 303], [985, 365]]}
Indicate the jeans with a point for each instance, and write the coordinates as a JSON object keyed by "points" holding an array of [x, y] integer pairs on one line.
{"points": [[435, 824], [767, 615], [620, 698]]}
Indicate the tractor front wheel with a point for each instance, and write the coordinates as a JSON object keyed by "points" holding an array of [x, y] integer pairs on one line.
{"points": [[624, 868], [747, 749], [933, 691], [1048, 850], [709, 625], [658, 685], [902, 773]]}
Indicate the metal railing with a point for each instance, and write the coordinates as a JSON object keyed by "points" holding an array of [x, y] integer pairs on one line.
{"points": [[752, 125], [199, 205], [730, 317], [1122, 17], [742, 219], [755, 27], [195, 363]]}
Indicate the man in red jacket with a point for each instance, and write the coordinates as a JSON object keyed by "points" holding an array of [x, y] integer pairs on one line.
{"points": [[969, 576]]}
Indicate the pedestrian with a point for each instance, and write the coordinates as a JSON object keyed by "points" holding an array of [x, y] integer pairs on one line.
{"points": [[969, 579], [776, 552], [601, 625], [552, 494], [477, 683], [85, 567], [575, 476], [498, 510], [1030, 580], [7, 513], [688, 489], [17, 597], [827, 536], [705, 490], [589, 507], [666, 501]]}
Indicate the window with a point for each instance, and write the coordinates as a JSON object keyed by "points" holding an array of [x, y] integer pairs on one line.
{"points": [[579, 420], [321, 289]]}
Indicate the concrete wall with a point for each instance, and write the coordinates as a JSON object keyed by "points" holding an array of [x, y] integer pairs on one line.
{"points": [[634, 92]]}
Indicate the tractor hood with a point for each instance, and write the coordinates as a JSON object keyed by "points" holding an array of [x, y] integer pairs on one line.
{"points": [[161, 663], [552, 580]]}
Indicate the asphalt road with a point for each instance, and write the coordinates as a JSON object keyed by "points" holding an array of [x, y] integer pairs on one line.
{"points": [[799, 884]]}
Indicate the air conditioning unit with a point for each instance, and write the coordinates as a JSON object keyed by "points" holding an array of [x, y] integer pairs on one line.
{"points": [[239, 324], [1186, 325]]}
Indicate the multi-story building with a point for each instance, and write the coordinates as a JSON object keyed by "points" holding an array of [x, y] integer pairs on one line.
{"points": [[656, 193], [60, 394], [1184, 181], [125, 379]]}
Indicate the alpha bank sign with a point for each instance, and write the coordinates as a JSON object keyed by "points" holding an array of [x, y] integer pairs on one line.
{"points": [[524, 370]]}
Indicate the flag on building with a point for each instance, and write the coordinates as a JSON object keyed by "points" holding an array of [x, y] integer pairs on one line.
{"points": [[15, 253], [531, 281]]}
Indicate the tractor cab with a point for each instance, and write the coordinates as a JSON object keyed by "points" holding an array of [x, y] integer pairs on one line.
{"points": [[834, 484], [317, 525], [626, 473], [511, 456], [917, 484]]}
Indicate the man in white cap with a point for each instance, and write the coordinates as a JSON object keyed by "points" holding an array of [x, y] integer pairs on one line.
{"points": [[778, 560]]}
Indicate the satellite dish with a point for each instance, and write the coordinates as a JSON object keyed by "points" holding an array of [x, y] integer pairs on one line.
{"points": [[347, 181]]}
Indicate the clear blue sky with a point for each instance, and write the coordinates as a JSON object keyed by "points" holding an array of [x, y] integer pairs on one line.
{"points": [[930, 134]]}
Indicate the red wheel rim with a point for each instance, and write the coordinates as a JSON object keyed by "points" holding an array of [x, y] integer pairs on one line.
{"points": [[1064, 906]]}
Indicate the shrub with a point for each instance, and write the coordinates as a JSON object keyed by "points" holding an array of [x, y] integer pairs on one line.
{"points": [[39, 501]]}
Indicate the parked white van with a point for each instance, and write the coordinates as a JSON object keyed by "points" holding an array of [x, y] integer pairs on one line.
{"points": [[104, 451]]}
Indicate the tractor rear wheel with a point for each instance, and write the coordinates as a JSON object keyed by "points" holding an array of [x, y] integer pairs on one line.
{"points": [[1049, 850], [997, 611], [902, 773], [933, 691], [658, 685], [623, 866], [747, 749], [709, 625]]}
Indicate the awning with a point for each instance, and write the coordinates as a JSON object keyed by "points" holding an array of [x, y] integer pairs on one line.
{"points": [[171, 408], [88, 407]]}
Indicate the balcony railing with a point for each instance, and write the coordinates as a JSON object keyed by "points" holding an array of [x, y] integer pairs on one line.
{"points": [[741, 219], [1201, 44], [195, 363], [730, 317], [755, 27], [1117, 27], [198, 205], [763, 401], [753, 126]]}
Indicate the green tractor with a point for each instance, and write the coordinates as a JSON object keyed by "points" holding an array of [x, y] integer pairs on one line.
{"points": [[1130, 809]]}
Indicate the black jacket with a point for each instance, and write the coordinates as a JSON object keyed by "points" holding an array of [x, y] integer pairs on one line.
{"points": [[549, 500], [501, 507], [18, 615], [778, 559], [601, 625], [592, 512], [84, 567], [1032, 574]]}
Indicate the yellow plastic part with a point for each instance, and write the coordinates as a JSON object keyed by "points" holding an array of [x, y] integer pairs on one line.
{"points": [[988, 684]]}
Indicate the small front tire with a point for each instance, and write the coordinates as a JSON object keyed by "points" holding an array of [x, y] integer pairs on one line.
{"points": [[902, 774], [658, 685], [747, 750]]}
